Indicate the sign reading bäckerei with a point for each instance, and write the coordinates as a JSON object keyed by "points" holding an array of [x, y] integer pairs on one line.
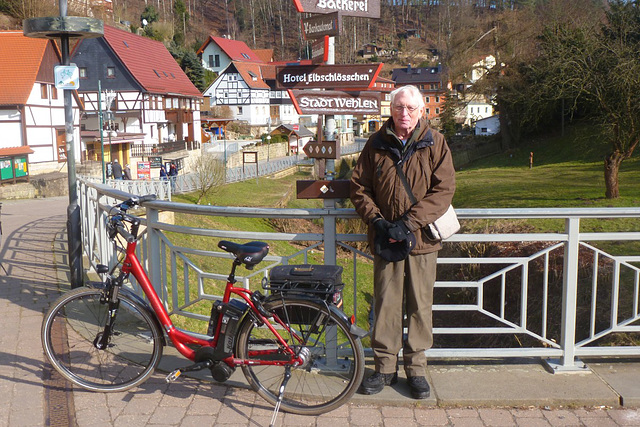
{"points": [[335, 102], [327, 76], [365, 8]]}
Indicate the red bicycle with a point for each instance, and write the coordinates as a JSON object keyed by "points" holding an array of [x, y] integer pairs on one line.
{"points": [[297, 350]]}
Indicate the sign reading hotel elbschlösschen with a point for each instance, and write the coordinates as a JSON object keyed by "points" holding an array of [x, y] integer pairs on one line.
{"points": [[335, 102], [363, 8], [357, 76]]}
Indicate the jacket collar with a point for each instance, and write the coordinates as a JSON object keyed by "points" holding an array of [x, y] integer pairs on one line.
{"points": [[387, 140]]}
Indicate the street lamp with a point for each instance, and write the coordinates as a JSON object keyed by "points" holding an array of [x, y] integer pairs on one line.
{"points": [[268, 145]]}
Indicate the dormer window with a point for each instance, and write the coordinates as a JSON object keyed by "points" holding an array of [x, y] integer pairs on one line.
{"points": [[245, 56]]}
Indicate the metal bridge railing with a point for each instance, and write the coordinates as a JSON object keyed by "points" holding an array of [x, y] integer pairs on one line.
{"points": [[559, 295]]}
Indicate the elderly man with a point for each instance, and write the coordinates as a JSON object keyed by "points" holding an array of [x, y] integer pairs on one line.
{"points": [[405, 286]]}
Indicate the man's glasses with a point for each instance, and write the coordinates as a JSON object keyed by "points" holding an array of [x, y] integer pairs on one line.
{"points": [[401, 108]]}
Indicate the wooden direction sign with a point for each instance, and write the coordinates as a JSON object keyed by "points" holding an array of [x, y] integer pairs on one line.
{"points": [[320, 50], [323, 189], [321, 150], [335, 102], [321, 25], [327, 76], [364, 8]]}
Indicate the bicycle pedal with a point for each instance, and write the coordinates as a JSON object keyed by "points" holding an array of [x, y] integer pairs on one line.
{"points": [[173, 376]]}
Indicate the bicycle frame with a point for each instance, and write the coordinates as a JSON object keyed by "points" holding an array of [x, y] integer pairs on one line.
{"points": [[180, 339]]}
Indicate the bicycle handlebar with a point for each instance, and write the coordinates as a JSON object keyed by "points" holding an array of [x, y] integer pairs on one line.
{"points": [[115, 221]]}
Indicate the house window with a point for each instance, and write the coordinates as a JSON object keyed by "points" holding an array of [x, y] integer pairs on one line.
{"points": [[427, 99], [437, 111], [111, 72], [427, 110], [239, 110], [483, 130], [44, 94], [83, 72], [216, 61], [437, 99], [54, 92], [210, 61]]}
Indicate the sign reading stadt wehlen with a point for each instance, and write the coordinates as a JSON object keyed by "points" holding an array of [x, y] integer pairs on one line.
{"points": [[327, 76], [364, 8], [335, 102]]}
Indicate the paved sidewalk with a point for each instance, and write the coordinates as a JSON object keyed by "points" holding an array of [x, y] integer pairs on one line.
{"points": [[473, 393]]}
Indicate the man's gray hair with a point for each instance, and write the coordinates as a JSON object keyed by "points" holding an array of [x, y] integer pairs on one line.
{"points": [[412, 90]]}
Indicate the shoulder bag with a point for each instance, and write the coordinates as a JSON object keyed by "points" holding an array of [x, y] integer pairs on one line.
{"points": [[442, 228]]}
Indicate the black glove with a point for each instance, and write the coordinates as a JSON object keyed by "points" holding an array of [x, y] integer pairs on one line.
{"points": [[398, 230], [382, 226]]}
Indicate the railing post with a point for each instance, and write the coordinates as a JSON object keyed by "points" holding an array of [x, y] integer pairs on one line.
{"points": [[153, 250], [330, 256], [569, 300]]}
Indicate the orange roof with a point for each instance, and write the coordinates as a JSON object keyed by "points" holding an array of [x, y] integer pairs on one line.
{"points": [[15, 151], [20, 59], [265, 54], [251, 74]]}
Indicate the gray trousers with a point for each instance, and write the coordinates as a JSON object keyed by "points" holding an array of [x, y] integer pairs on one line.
{"points": [[404, 285]]}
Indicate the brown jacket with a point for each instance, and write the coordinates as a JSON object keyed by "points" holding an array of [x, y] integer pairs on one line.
{"points": [[376, 188]]}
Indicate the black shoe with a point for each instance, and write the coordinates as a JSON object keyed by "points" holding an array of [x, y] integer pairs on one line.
{"points": [[419, 387], [376, 382]]}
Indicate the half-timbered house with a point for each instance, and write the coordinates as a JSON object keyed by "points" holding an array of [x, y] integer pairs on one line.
{"points": [[145, 97], [32, 119]]}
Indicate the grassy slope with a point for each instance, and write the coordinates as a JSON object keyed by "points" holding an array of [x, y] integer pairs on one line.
{"points": [[567, 172]]}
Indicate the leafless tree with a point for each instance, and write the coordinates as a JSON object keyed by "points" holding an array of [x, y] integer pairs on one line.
{"points": [[208, 174]]}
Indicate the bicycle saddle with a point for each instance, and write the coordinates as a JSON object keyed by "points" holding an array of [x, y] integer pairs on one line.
{"points": [[249, 254]]}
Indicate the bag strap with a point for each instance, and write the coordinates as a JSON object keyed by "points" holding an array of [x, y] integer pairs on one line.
{"points": [[403, 178]]}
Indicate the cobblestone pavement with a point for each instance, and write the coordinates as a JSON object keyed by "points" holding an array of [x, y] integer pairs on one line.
{"points": [[33, 273]]}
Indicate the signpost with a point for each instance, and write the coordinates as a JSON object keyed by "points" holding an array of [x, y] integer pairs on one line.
{"points": [[327, 76], [364, 8]]}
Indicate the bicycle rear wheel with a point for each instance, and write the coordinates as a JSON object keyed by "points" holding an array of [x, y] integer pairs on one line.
{"points": [[334, 357], [76, 320]]}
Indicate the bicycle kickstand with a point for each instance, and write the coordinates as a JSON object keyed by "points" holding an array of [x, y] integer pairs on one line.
{"points": [[285, 380]]}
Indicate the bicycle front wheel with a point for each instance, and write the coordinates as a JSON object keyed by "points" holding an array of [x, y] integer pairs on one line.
{"points": [[334, 358], [75, 323]]}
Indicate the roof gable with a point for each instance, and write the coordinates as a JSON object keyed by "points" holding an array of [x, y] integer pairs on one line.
{"points": [[150, 63], [20, 59], [235, 49], [411, 75]]}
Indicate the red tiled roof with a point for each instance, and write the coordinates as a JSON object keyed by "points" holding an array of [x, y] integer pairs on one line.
{"points": [[250, 71], [20, 59], [150, 63], [16, 151], [235, 49], [265, 54]]}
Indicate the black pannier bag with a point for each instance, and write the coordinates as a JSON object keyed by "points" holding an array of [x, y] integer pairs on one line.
{"points": [[323, 281]]}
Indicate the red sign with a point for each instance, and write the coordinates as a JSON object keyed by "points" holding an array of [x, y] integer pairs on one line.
{"points": [[144, 170], [327, 76], [365, 8], [320, 50], [321, 150]]}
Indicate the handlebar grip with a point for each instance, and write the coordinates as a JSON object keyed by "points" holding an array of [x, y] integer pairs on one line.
{"points": [[124, 233]]}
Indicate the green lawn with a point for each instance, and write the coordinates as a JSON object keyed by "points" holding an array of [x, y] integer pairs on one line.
{"points": [[567, 172]]}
